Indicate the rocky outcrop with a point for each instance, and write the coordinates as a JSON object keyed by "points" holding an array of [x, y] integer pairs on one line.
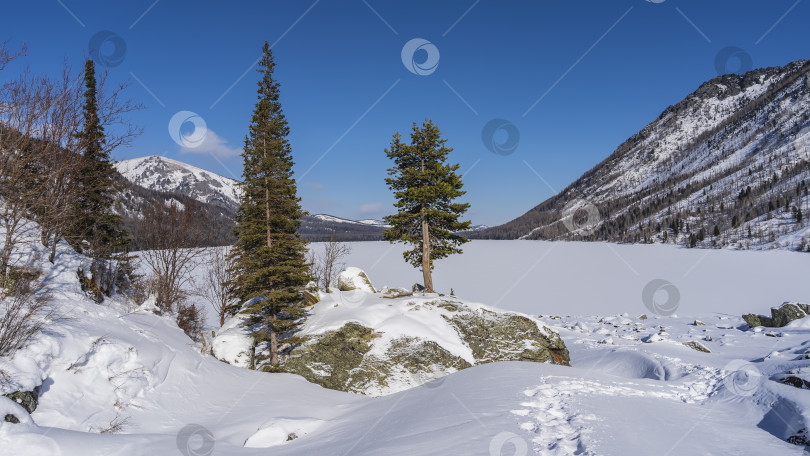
{"points": [[359, 340], [341, 360], [354, 279], [695, 345], [505, 337], [361, 359], [28, 400], [780, 316]]}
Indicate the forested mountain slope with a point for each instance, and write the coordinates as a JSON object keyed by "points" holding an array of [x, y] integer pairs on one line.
{"points": [[727, 166]]}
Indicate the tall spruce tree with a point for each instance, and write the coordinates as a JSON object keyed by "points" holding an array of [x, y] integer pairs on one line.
{"points": [[425, 187], [96, 230], [269, 257]]}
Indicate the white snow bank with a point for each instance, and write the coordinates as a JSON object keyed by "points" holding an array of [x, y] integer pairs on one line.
{"points": [[233, 342], [802, 323]]}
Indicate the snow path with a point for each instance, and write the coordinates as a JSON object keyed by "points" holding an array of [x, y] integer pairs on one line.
{"points": [[558, 427]]}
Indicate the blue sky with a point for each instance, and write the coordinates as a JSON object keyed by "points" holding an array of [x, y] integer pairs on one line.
{"points": [[573, 78]]}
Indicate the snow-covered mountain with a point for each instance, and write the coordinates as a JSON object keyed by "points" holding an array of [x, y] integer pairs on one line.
{"points": [[174, 179], [733, 155], [166, 175], [333, 219]]}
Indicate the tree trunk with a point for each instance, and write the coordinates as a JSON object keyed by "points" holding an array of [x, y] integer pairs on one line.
{"points": [[267, 200], [273, 347], [426, 272], [52, 256]]}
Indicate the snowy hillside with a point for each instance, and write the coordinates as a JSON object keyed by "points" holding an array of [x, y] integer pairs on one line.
{"points": [[171, 176], [175, 179], [331, 218], [119, 379], [733, 155]]}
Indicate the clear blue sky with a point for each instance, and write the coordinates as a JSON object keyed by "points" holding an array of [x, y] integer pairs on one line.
{"points": [[604, 69]]}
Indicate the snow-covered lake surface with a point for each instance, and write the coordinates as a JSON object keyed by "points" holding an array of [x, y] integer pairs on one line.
{"points": [[634, 387], [575, 278]]}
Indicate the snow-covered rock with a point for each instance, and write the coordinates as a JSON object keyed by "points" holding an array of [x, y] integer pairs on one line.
{"points": [[233, 342], [378, 345], [353, 278]]}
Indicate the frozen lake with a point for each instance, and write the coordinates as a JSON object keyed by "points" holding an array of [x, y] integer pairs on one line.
{"points": [[598, 278]]}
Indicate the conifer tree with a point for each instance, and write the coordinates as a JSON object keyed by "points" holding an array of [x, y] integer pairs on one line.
{"points": [[425, 187], [96, 230], [269, 257]]}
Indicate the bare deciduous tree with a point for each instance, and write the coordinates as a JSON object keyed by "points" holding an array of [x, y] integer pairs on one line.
{"points": [[326, 265], [26, 311], [216, 290], [40, 151], [172, 236]]}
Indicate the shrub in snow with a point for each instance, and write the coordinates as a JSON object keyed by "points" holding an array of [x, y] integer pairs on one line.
{"points": [[25, 313], [190, 320]]}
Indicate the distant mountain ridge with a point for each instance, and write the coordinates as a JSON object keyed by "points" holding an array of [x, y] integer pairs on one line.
{"points": [[727, 166], [160, 177], [164, 174]]}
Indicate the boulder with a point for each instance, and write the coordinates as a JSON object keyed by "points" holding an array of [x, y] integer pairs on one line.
{"points": [[507, 337], [786, 313], [234, 342], [753, 320], [361, 359], [780, 316], [695, 345], [17, 407], [354, 279], [310, 298], [342, 360], [29, 400]]}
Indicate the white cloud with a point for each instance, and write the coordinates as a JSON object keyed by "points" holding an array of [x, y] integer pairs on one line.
{"points": [[371, 208], [212, 144]]}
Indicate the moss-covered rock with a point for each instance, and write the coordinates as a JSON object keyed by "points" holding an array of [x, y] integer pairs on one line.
{"points": [[341, 360], [506, 337], [310, 298], [753, 320], [331, 359], [362, 358], [786, 313], [780, 316], [695, 345], [29, 400]]}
